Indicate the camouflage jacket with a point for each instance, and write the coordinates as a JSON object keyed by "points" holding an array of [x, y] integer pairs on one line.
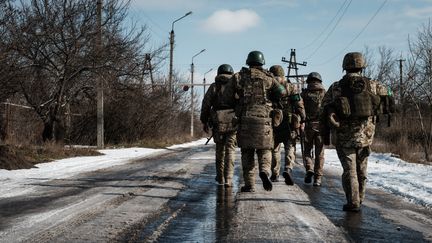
{"points": [[312, 98], [220, 95], [256, 99], [292, 102], [353, 133]]}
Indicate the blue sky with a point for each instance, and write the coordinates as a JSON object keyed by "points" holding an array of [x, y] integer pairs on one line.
{"points": [[229, 30]]}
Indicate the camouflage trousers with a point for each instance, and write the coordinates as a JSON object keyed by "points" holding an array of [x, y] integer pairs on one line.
{"points": [[248, 164], [313, 141], [289, 157], [354, 163], [225, 156]]}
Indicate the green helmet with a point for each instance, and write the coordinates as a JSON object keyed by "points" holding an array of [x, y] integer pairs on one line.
{"points": [[313, 76], [225, 69], [277, 70], [255, 58], [353, 60]]}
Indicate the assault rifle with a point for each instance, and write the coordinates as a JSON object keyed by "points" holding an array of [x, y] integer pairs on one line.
{"points": [[208, 139], [302, 138]]}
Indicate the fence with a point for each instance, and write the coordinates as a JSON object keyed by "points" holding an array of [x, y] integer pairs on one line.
{"points": [[19, 124]]}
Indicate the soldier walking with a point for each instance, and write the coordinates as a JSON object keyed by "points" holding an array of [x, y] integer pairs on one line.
{"points": [[312, 98], [350, 107], [217, 112], [257, 89], [292, 109]]}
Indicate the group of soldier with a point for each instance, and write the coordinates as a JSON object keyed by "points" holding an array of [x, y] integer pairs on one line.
{"points": [[258, 110]]}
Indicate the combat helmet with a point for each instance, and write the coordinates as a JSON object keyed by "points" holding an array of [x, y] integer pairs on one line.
{"points": [[255, 58], [277, 70], [313, 76], [225, 69], [353, 60]]}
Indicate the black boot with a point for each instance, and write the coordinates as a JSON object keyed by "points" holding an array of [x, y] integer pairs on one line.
{"points": [[351, 207], [265, 180], [308, 176], [288, 178]]}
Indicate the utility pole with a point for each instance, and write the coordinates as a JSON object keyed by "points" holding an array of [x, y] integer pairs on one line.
{"points": [[100, 85], [292, 65], [148, 70], [192, 93], [401, 95], [204, 80], [170, 75]]}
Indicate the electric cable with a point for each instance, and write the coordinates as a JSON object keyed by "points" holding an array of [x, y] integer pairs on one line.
{"points": [[325, 29], [331, 31], [358, 34]]}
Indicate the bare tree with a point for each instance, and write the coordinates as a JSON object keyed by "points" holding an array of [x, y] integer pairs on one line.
{"points": [[418, 84], [52, 43]]}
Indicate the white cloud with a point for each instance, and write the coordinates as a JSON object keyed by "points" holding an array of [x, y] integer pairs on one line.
{"points": [[419, 12], [226, 21]]}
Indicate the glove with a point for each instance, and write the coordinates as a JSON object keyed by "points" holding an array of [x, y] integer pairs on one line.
{"points": [[333, 120], [206, 128]]}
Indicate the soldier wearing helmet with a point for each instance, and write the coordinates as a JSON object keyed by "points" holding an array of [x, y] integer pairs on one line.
{"points": [[257, 90], [312, 98], [293, 110], [217, 112], [350, 106]]}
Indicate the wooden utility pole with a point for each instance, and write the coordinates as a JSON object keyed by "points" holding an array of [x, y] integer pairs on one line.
{"points": [[100, 84]]}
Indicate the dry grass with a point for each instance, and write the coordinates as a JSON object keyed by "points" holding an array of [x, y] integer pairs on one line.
{"points": [[24, 157], [403, 139]]}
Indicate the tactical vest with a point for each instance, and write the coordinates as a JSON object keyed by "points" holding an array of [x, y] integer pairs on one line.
{"points": [[312, 102], [255, 130], [357, 100], [223, 115]]}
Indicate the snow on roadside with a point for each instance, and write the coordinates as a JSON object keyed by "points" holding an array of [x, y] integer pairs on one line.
{"points": [[15, 182], [408, 180]]}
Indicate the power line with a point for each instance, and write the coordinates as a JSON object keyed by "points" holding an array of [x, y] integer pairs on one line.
{"points": [[331, 31], [328, 25], [358, 35]]}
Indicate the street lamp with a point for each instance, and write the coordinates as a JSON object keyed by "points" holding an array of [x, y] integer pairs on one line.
{"points": [[172, 52], [204, 80], [192, 93]]}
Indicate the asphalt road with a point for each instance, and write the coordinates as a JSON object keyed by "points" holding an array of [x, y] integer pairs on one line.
{"points": [[173, 198]]}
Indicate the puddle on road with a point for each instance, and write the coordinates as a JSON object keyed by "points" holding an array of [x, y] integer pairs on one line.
{"points": [[203, 212]]}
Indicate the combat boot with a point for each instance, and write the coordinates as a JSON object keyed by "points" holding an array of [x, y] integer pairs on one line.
{"points": [[317, 181], [288, 177], [247, 189], [268, 186], [274, 178], [351, 207], [308, 176]]}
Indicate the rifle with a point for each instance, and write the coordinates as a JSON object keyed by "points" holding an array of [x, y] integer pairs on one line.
{"points": [[301, 135], [208, 139]]}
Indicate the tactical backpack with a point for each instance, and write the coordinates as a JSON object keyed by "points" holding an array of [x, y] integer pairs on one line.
{"points": [[312, 100], [356, 100], [255, 129], [223, 115]]}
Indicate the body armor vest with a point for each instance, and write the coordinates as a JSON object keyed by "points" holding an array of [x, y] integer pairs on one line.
{"points": [[357, 100], [312, 102]]}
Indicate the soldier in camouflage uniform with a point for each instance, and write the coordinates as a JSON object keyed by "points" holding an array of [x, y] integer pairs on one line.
{"points": [[256, 89], [350, 106], [217, 112], [312, 98], [291, 105]]}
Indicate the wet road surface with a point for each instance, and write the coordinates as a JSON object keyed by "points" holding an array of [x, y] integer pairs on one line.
{"points": [[174, 198]]}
